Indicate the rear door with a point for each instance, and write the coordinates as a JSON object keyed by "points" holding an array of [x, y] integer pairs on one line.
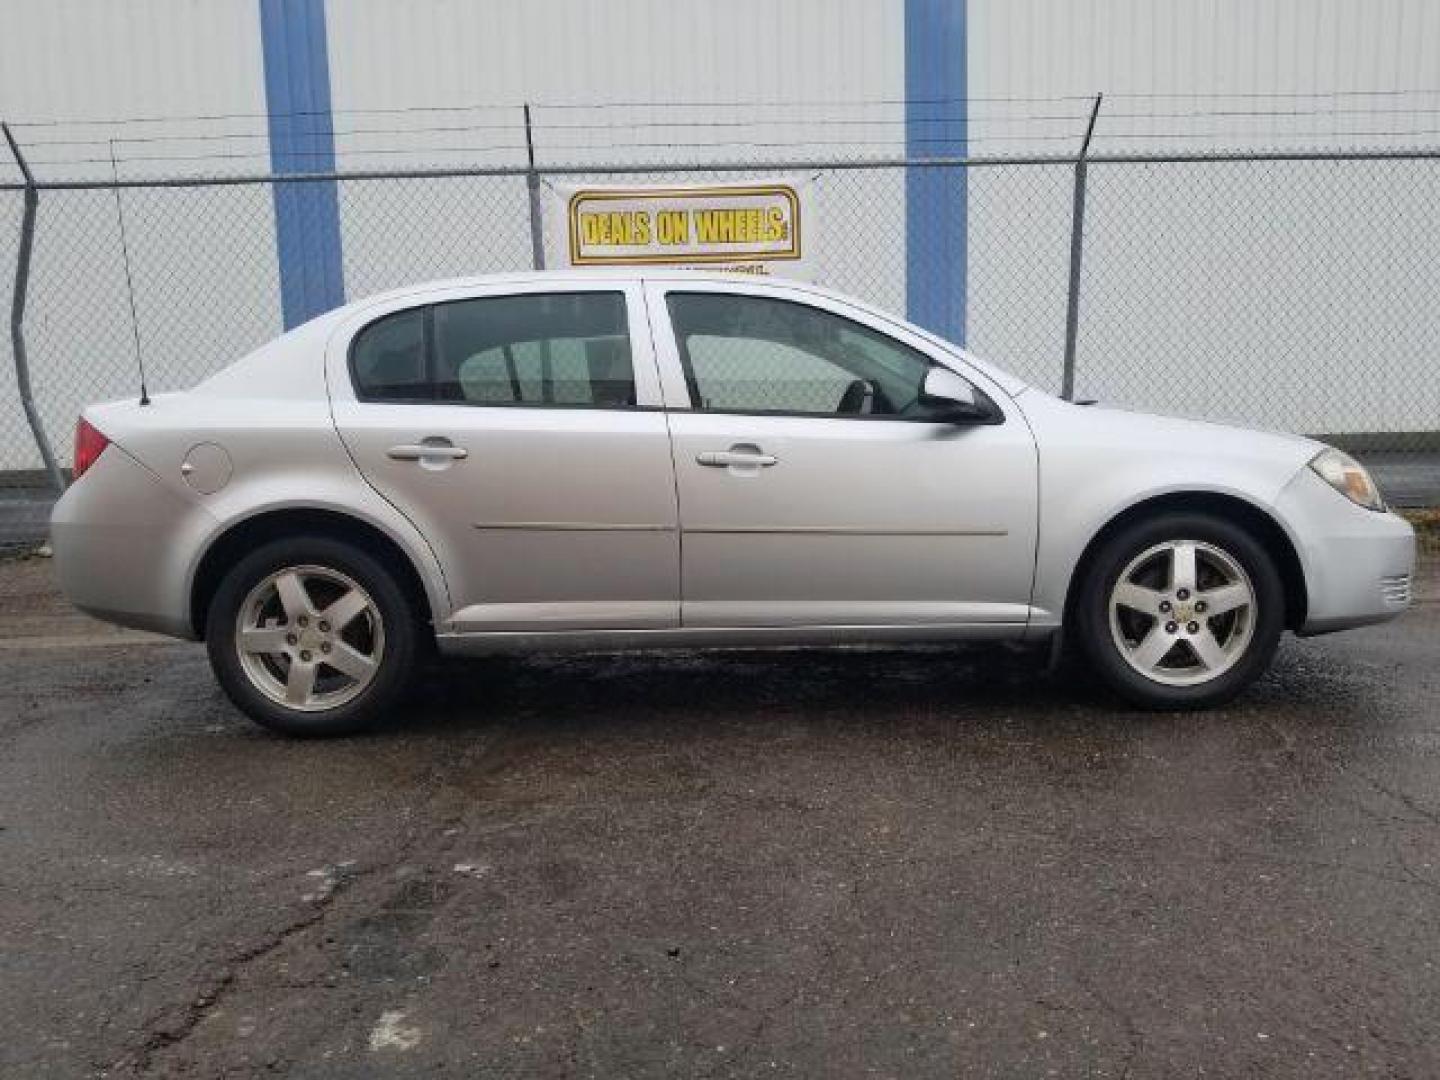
{"points": [[519, 427], [815, 489]]}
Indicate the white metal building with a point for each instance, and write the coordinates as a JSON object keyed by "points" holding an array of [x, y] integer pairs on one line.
{"points": [[151, 88]]}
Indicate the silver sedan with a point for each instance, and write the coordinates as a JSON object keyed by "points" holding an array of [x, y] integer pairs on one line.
{"points": [[546, 461]]}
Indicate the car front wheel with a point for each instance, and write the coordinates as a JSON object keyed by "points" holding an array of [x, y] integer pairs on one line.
{"points": [[311, 636], [1180, 611]]}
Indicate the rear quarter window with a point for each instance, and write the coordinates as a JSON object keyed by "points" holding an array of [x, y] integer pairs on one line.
{"points": [[387, 359]]}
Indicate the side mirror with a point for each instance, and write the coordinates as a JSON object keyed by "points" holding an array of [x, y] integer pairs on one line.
{"points": [[955, 400]]}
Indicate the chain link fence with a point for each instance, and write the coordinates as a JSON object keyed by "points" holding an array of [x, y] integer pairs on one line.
{"points": [[1283, 291]]}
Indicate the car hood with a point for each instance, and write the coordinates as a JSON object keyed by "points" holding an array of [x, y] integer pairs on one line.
{"points": [[1176, 453], [1106, 424]]}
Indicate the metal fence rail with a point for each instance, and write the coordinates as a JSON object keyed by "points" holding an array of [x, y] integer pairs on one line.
{"points": [[1286, 289]]}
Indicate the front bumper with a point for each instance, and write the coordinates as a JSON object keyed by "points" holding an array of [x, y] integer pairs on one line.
{"points": [[1358, 563]]}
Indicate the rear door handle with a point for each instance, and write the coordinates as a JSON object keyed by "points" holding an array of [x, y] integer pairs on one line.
{"points": [[438, 450], [724, 459]]}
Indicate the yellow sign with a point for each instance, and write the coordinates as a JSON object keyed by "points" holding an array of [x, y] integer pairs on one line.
{"points": [[741, 227]]}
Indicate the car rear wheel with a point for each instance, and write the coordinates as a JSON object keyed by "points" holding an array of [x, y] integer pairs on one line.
{"points": [[311, 636], [1180, 611]]}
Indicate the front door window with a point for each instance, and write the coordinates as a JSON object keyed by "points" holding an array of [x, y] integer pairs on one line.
{"points": [[759, 354]]}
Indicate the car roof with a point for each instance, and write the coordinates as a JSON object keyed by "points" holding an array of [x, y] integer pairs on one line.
{"points": [[559, 278]]}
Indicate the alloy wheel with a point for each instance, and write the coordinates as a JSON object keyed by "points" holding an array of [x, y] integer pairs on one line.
{"points": [[309, 638], [1182, 612]]}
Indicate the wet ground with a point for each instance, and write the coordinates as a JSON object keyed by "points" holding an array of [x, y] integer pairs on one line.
{"points": [[926, 863]]}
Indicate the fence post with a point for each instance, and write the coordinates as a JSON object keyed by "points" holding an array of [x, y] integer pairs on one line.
{"points": [[1077, 251], [532, 184], [17, 315]]}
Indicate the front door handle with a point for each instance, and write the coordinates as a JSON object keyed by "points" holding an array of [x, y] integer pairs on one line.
{"points": [[743, 459]]}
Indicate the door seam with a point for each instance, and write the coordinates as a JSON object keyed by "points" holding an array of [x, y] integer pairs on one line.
{"points": [[674, 464]]}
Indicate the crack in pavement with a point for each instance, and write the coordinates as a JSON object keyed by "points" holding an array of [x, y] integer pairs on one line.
{"points": [[1405, 799], [162, 1033], [165, 1033], [1134, 1037]]}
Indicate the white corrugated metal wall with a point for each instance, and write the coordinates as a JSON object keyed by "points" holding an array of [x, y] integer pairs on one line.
{"points": [[435, 82]]}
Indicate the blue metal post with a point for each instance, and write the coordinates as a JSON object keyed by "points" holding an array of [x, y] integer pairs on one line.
{"points": [[302, 140], [935, 198]]}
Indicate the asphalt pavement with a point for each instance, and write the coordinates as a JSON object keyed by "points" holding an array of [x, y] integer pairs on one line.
{"points": [[911, 864]]}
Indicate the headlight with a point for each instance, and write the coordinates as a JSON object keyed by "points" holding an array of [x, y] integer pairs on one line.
{"points": [[1348, 476]]}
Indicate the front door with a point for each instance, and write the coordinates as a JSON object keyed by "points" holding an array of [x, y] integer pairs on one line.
{"points": [[814, 489], [519, 429]]}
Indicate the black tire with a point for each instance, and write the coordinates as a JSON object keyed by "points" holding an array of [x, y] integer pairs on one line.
{"points": [[403, 636], [1091, 614]]}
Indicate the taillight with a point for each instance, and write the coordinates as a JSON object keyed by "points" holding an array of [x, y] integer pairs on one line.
{"points": [[89, 444]]}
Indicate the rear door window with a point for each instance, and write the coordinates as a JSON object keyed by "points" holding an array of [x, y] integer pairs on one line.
{"points": [[532, 349]]}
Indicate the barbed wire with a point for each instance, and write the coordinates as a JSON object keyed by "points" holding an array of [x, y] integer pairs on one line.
{"points": [[1000, 125], [963, 147], [984, 129], [730, 104], [646, 125]]}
